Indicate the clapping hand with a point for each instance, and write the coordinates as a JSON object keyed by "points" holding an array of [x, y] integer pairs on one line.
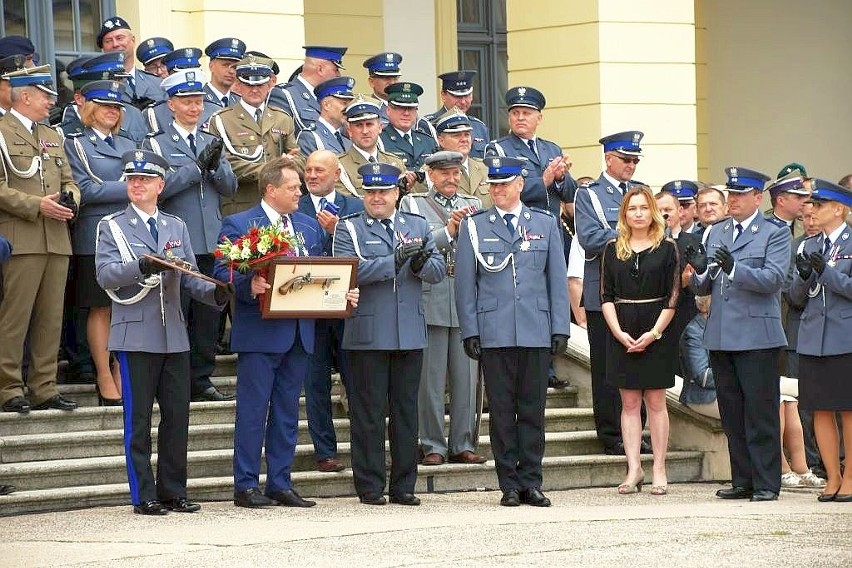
{"points": [[404, 252], [725, 259], [803, 266], [419, 260], [697, 258], [817, 261]]}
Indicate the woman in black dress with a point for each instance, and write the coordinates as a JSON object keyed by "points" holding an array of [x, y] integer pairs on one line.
{"points": [[640, 281]]}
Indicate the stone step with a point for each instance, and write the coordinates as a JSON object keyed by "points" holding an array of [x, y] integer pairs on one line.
{"points": [[109, 440], [53, 474], [565, 472]]}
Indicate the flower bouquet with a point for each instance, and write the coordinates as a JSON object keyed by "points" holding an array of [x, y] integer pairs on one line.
{"points": [[254, 250]]}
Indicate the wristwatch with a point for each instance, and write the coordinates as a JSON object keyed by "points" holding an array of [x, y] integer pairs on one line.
{"points": [[657, 335]]}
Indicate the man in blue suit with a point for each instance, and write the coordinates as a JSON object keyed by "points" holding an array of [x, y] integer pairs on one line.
{"points": [[322, 170], [386, 335], [548, 182], [513, 310], [273, 353], [750, 256]]}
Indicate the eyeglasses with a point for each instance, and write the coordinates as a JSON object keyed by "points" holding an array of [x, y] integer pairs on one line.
{"points": [[634, 270], [627, 160]]}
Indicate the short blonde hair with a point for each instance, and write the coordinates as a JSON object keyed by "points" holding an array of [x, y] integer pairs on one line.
{"points": [[87, 116]]}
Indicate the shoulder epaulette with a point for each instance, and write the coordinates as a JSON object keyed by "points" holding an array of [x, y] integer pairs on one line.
{"points": [[72, 134], [812, 237], [592, 183], [113, 215], [350, 216], [413, 214], [478, 212], [539, 210], [421, 194], [775, 220], [124, 134], [722, 220], [170, 215], [152, 134]]}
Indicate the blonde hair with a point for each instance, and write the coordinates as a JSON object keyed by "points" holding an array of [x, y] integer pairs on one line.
{"points": [[657, 230], [87, 116]]}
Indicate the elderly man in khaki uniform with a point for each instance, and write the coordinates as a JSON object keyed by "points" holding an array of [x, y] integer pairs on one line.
{"points": [[253, 132], [37, 199]]}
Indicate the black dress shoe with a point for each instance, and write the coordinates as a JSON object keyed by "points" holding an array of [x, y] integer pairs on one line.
{"points": [[181, 505], [58, 402], [17, 404], [252, 499], [645, 448], [150, 508], [827, 497], [211, 394], [735, 493], [405, 499], [290, 498], [533, 496], [764, 495], [843, 497], [617, 449], [372, 499], [511, 498]]}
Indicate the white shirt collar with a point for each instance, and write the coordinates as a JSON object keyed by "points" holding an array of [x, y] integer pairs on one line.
{"points": [[316, 199], [400, 132], [516, 212], [835, 234], [274, 216], [185, 133], [327, 124], [217, 93], [28, 124], [747, 221], [366, 155], [251, 110], [612, 180], [307, 85], [144, 216]]}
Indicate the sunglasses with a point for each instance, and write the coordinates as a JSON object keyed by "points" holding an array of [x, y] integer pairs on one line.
{"points": [[628, 160]]}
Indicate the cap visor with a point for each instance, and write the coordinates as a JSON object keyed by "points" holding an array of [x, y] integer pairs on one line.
{"points": [[108, 102], [464, 93], [500, 180], [47, 90]]}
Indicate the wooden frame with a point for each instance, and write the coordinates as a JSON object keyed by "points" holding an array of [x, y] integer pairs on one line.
{"points": [[309, 287]]}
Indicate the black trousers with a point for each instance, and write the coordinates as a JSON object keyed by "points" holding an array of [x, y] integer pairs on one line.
{"points": [[202, 322], [749, 396], [516, 387], [384, 383], [606, 401], [164, 377]]}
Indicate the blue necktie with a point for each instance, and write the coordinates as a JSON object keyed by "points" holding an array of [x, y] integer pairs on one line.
{"points": [[132, 82], [322, 203], [508, 217], [152, 224], [623, 187], [738, 229], [109, 140], [191, 140], [531, 144], [388, 227], [339, 139], [826, 246], [225, 102]]}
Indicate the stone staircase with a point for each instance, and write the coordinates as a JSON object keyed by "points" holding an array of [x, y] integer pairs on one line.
{"points": [[68, 460]]}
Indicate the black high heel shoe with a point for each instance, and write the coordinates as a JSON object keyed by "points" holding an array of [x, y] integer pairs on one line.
{"points": [[102, 401]]}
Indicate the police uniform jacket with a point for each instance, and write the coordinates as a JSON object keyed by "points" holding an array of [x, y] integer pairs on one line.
{"points": [[524, 311], [132, 123], [147, 87], [383, 109], [479, 135], [412, 155], [249, 145], [473, 181], [439, 299], [321, 137], [792, 315], [250, 333], [21, 221], [296, 100], [211, 97], [826, 322], [599, 198], [390, 313], [189, 194], [745, 313], [535, 194], [350, 181], [347, 204], [96, 167], [158, 115], [139, 326]]}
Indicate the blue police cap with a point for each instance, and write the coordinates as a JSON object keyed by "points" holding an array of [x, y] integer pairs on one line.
{"points": [[791, 183], [226, 48], [338, 87], [11, 63], [827, 191], [623, 142], [110, 25], [683, 190], [16, 45], [384, 64], [75, 66], [445, 159], [453, 121], [328, 52], [404, 94], [525, 97], [184, 83], [742, 180], [112, 62], [183, 58], [103, 92], [144, 163], [503, 169], [254, 70], [458, 83], [379, 176], [152, 49], [361, 109], [38, 77]]}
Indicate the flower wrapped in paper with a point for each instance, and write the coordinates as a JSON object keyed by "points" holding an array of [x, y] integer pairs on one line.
{"points": [[254, 250]]}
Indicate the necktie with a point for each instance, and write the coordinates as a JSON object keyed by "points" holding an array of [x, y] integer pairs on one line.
{"points": [[152, 225], [285, 222], [407, 137], [191, 140], [531, 144], [339, 137], [258, 115], [33, 128], [826, 246], [110, 141], [322, 203], [388, 227], [132, 82], [372, 160], [225, 102], [508, 217], [623, 187], [738, 229]]}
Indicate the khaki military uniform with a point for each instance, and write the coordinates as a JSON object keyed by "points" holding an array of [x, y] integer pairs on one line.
{"points": [[474, 183], [34, 283], [350, 182], [249, 145]]}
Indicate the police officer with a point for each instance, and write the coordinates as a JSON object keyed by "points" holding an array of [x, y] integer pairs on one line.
{"points": [[401, 137], [385, 336], [513, 312], [362, 118], [253, 133], [454, 131], [150, 53], [16, 52], [224, 55], [198, 177], [159, 114], [788, 195], [37, 200], [328, 132], [684, 192], [446, 362], [596, 214], [148, 333], [296, 98], [383, 69], [548, 182], [457, 92], [750, 259], [141, 88]]}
